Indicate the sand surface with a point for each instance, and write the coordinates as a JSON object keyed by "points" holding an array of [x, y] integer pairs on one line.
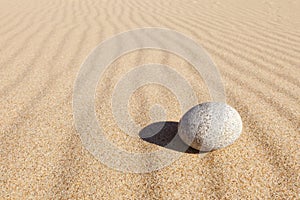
{"points": [[255, 44]]}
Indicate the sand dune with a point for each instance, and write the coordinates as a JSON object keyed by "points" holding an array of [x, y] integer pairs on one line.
{"points": [[256, 46]]}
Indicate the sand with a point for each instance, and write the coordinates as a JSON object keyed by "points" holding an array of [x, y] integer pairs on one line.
{"points": [[256, 46]]}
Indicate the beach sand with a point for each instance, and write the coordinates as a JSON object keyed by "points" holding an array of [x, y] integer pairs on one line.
{"points": [[255, 44]]}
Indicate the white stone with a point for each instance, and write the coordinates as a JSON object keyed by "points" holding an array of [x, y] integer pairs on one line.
{"points": [[210, 126]]}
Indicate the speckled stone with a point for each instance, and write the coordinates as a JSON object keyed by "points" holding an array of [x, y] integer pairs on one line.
{"points": [[210, 126]]}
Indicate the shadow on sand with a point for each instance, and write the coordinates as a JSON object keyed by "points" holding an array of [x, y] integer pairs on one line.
{"points": [[165, 134]]}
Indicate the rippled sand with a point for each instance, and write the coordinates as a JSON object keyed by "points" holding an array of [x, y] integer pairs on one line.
{"points": [[256, 46]]}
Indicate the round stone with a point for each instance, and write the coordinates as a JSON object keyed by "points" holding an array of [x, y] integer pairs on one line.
{"points": [[210, 126]]}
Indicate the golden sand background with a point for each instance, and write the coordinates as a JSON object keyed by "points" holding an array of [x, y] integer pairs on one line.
{"points": [[255, 44]]}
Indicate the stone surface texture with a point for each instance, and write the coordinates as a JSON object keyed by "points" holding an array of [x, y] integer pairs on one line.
{"points": [[210, 126]]}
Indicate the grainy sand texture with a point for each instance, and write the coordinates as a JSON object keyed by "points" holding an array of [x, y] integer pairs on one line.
{"points": [[255, 44]]}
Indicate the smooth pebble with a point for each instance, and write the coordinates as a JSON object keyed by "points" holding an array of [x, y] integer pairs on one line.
{"points": [[210, 126]]}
